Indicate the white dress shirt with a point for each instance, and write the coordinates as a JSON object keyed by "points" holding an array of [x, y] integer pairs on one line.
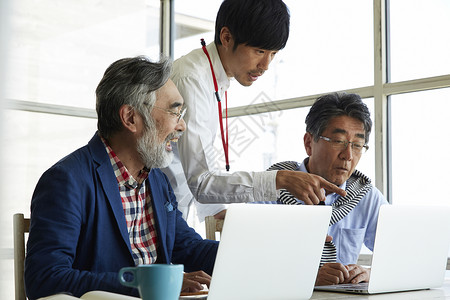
{"points": [[208, 181]]}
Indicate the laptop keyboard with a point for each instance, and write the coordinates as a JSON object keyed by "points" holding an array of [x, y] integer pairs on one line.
{"points": [[361, 285]]}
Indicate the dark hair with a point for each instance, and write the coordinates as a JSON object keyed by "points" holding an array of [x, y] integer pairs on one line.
{"points": [[131, 81], [257, 23], [334, 105]]}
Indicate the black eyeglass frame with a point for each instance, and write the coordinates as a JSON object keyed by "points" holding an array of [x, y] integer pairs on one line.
{"points": [[342, 145]]}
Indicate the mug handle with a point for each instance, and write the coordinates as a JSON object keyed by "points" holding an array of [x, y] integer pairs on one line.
{"points": [[122, 280]]}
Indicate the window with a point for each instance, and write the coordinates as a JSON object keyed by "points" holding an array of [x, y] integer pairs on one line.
{"points": [[318, 58], [59, 51], [193, 24], [419, 39], [420, 143], [37, 142]]}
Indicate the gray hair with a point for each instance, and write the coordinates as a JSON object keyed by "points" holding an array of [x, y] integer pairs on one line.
{"points": [[334, 105], [128, 81]]}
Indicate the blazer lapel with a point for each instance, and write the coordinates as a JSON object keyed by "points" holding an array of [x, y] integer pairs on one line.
{"points": [[160, 214], [109, 185]]}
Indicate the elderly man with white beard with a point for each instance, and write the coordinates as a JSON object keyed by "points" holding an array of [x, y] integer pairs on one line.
{"points": [[107, 205]]}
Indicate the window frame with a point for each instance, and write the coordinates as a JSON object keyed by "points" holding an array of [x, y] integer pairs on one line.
{"points": [[381, 90]]}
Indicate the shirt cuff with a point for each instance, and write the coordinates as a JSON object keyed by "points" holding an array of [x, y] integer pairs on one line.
{"points": [[264, 186]]}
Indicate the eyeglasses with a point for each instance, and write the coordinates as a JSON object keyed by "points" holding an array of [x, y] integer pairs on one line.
{"points": [[179, 115], [357, 148]]}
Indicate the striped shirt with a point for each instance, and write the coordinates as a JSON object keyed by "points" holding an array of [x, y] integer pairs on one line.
{"points": [[138, 210]]}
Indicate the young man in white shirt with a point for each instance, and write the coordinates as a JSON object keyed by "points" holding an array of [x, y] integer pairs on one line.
{"points": [[248, 36]]}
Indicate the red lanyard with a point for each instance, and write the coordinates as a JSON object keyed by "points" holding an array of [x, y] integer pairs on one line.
{"points": [[216, 92]]}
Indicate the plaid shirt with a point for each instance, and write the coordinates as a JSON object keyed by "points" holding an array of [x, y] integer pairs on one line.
{"points": [[137, 206]]}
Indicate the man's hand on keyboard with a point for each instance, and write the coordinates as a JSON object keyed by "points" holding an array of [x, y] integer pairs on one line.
{"points": [[336, 273], [357, 274]]}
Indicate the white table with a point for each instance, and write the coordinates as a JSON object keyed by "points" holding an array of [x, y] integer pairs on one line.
{"points": [[440, 293]]}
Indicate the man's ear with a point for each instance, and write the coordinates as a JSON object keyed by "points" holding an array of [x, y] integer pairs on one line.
{"points": [[128, 116], [226, 38], [307, 141]]}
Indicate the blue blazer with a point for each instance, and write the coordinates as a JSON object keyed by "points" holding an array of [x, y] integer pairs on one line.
{"points": [[78, 237]]}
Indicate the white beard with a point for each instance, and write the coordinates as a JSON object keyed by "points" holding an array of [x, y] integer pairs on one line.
{"points": [[153, 155]]}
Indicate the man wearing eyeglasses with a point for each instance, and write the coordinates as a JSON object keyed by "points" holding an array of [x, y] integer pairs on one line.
{"points": [[337, 132], [108, 205]]}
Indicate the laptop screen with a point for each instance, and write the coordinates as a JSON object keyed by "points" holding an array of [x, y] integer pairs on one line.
{"points": [[269, 251]]}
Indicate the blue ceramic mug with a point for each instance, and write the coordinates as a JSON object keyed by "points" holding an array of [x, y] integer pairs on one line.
{"points": [[154, 282]]}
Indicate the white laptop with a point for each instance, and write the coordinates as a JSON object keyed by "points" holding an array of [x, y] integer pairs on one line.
{"points": [[410, 251], [269, 251]]}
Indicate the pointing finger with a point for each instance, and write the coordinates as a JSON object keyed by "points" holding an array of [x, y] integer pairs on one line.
{"points": [[332, 188]]}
